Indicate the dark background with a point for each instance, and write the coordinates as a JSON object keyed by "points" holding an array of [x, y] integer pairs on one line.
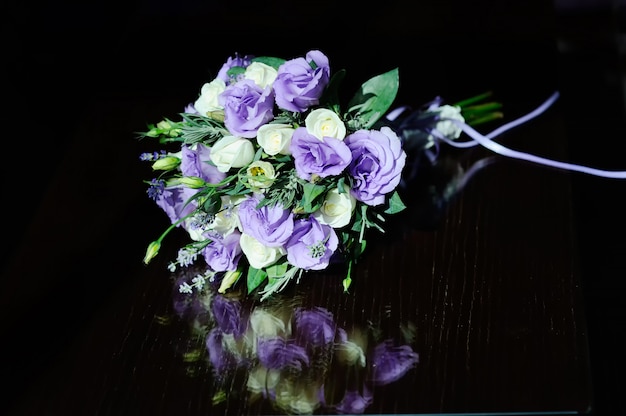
{"points": [[71, 66]]}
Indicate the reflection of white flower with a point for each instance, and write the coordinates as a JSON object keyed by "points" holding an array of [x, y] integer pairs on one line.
{"points": [[447, 127], [349, 353], [232, 152], [260, 380], [337, 209], [261, 174], [275, 138], [258, 254], [207, 101], [298, 399], [322, 122], [266, 325], [262, 74]]}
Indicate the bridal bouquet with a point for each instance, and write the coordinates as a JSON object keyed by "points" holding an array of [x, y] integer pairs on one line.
{"points": [[272, 176]]}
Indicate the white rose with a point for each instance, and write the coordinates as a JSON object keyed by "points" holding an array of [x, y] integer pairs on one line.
{"points": [[258, 255], [337, 209], [447, 127], [322, 122], [261, 380], [275, 138], [297, 398], [262, 74], [232, 152], [227, 220], [209, 92], [261, 174], [349, 353]]}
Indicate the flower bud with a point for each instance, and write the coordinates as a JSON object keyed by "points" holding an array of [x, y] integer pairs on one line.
{"points": [[229, 279], [192, 182], [166, 163], [152, 251]]}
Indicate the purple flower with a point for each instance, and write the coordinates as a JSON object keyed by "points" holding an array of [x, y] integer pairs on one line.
{"points": [[228, 316], [311, 245], [315, 326], [173, 202], [223, 253], [246, 107], [313, 156], [195, 162], [232, 62], [354, 403], [300, 82], [276, 353], [377, 163], [388, 362], [271, 225]]}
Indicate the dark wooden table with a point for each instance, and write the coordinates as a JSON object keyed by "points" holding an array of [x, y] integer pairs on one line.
{"points": [[490, 287]]}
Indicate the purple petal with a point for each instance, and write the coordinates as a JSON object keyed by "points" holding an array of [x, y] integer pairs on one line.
{"points": [[276, 353], [389, 362]]}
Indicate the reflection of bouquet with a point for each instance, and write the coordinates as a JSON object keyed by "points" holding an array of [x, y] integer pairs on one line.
{"points": [[271, 176], [296, 358]]}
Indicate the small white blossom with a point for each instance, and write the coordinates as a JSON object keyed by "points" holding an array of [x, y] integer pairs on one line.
{"points": [[232, 152], [207, 101], [337, 209], [323, 122], [275, 138], [262, 74], [258, 254]]}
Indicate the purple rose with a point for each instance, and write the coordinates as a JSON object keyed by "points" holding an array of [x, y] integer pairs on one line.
{"points": [[246, 107], [271, 225], [377, 163], [174, 202], [223, 253], [315, 326], [313, 156], [276, 353], [195, 162], [388, 362], [311, 245], [232, 62], [300, 82]]}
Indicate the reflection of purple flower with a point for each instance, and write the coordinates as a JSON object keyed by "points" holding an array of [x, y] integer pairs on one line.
{"points": [[276, 353], [246, 107], [300, 82], [378, 160], [388, 362], [228, 316], [311, 245], [194, 162], [311, 155], [221, 359], [231, 62], [271, 225], [314, 326], [354, 403], [223, 253]]}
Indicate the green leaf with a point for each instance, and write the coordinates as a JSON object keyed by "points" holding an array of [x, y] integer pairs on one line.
{"points": [[310, 194], [375, 97], [395, 204], [277, 270], [269, 60], [255, 278]]}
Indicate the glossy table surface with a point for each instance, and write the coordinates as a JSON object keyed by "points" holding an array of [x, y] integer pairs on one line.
{"points": [[485, 288]]}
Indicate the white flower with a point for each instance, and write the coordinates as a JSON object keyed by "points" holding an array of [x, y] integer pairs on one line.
{"points": [[297, 398], [275, 138], [226, 220], [322, 123], [207, 101], [447, 127], [262, 74], [232, 152], [230, 277], [349, 353], [261, 174], [258, 255], [337, 209]]}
